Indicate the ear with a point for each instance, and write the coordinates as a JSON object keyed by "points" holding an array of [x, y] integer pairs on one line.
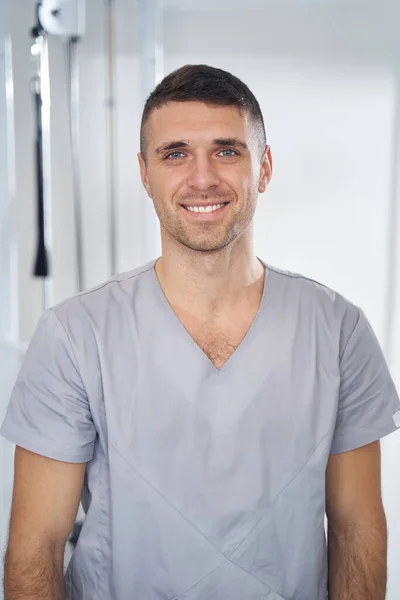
{"points": [[144, 174], [265, 170]]}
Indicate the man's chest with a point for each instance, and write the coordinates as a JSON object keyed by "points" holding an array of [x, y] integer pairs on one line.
{"points": [[218, 340], [172, 414], [190, 379], [219, 444], [217, 344]]}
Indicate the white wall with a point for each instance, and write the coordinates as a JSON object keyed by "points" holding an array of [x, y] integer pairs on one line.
{"points": [[327, 77]]}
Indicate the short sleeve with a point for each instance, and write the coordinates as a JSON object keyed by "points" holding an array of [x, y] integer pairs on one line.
{"points": [[49, 412], [369, 406]]}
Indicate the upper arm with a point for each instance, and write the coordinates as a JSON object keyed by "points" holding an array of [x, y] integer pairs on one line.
{"points": [[369, 407], [368, 410], [49, 412], [49, 419], [45, 503], [353, 486]]}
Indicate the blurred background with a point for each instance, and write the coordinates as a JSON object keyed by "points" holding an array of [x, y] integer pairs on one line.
{"points": [[327, 76]]}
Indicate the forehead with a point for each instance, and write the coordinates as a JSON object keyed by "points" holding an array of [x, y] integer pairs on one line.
{"points": [[197, 122]]}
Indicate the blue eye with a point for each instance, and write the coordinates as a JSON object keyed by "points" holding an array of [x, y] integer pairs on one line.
{"points": [[175, 155], [232, 152]]}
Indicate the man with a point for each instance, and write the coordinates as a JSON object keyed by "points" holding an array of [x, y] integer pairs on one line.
{"points": [[210, 407]]}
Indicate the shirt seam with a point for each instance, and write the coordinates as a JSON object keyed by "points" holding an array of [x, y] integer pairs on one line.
{"points": [[226, 556], [8, 432], [350, 337], [89, 405], [298, 276], [295, 476], [103, 285], [183, 594], [371, 428], [72, 350], [102, 536]]}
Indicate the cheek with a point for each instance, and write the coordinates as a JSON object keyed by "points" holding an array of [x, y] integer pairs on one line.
{"points": [[244, 179], [246, 185], [165, 186], [250, 194]]}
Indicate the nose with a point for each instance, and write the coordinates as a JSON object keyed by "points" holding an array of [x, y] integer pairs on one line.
{"points": [[203, 174]]}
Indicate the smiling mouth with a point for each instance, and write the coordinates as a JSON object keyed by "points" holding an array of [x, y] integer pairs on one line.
{"points": [[205, 209]]}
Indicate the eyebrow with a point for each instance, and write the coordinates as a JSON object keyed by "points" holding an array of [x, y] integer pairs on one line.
{"points": [[231, 142], [175, 145], [171, 146]]}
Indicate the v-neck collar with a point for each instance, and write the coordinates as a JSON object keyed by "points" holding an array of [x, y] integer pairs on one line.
{"points": [[203, 356]]}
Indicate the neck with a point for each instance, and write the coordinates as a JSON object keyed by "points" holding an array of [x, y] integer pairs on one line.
{"points": [[206, 282]]}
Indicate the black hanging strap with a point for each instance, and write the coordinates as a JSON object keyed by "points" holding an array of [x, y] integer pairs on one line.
{"points": [[41, 267], [41, 262]]}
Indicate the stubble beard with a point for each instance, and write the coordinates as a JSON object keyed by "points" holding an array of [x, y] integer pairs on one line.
{"points": [[205, 237]]}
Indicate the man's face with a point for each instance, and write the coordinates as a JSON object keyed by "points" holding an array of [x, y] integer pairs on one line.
{"points": [[201, 158]]}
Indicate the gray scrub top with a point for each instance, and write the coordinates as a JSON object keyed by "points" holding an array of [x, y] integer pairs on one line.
{"points": [[201, 484]]}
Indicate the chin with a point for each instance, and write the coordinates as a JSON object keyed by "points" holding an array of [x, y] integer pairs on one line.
{"points": [[206, 246]]}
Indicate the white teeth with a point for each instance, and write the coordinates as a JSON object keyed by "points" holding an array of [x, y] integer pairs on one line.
{"points": [[205, 209]]}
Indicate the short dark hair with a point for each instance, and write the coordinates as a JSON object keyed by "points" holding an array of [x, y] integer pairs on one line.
{"points": [[202, 83]]}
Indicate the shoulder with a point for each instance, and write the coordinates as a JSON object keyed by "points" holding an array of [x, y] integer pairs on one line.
{"points": [[314, 299], [110, 296]]}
